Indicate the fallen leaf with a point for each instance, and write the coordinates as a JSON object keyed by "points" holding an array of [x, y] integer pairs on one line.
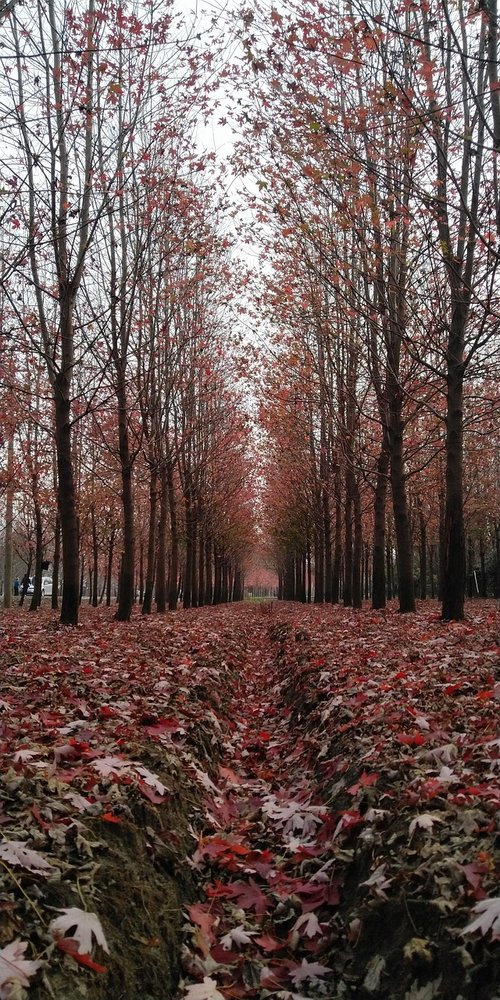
{"points": [[424, 821], [14, 969], [488, 918], [207, 990], [418, 948], [85, 927], [15, 852], [308, 970], [237, 936]]}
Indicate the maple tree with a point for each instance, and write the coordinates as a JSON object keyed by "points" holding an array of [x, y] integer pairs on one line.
{"points": [[346, 190], [358, 293], [116, 160], [49, 210]]}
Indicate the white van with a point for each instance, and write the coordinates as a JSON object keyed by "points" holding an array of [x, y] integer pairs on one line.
{"points": [[46, 586]]}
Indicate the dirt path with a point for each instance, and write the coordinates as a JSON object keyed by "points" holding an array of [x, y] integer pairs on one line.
{"points": [[269, 870]]}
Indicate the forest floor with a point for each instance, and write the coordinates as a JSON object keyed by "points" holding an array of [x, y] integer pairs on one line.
{"points": [[249, 802]]}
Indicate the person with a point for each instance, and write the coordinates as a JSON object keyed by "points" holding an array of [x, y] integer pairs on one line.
{"points": [[16, 587], [25, 582]]}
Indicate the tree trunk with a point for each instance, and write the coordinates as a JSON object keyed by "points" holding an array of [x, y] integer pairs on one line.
{"points": [[319, 560], [9, 515], [471, 590], [367, 571], [126, 591], [348, 554], [482, 559], [389, 569], [109, 573], [454, 529], [56, 563], [289, 579], [357, 595], [174, 540], [379, 518], [161, 557], [402, 527], [209, 588], [238, 585], [147, 602], [497, 560], [24, 587], [189, 565], [337, 547], [140, 581], [66, 499], [422, 553], [431, 570], [327, 533], [218, 576], [225, 581], [95, 562], [36, 599], [201, 566]]}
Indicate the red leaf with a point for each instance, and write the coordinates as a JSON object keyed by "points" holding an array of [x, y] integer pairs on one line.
{"points": [[216, 847], [474, 874], [149, 793], [364, 782], [163, 726], [268, 943], [223, 956], [412, 740], [247, 894], [35, 809], [230, 775], [199, 914], [111, 818], [70, 947]]}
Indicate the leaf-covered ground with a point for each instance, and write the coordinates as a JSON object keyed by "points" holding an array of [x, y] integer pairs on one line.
{"points": [[282, 802]]}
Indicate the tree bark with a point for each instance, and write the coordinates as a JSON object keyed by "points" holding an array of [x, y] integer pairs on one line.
{"points": [[109, 573], [379, 531], [209, 588], [348, 536], [174, 539], [357, 594], [126, 590], [95, 562], [66, 499], [454, 528], [402, 526], [147, 602], [9, 515], [56, 563]]}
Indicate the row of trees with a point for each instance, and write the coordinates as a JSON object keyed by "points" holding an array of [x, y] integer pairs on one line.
{"points": [[121, 413], [371, 138], [376, 132]]}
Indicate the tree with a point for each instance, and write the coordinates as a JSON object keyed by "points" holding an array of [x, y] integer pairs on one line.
{"points": [[58, 158]]}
